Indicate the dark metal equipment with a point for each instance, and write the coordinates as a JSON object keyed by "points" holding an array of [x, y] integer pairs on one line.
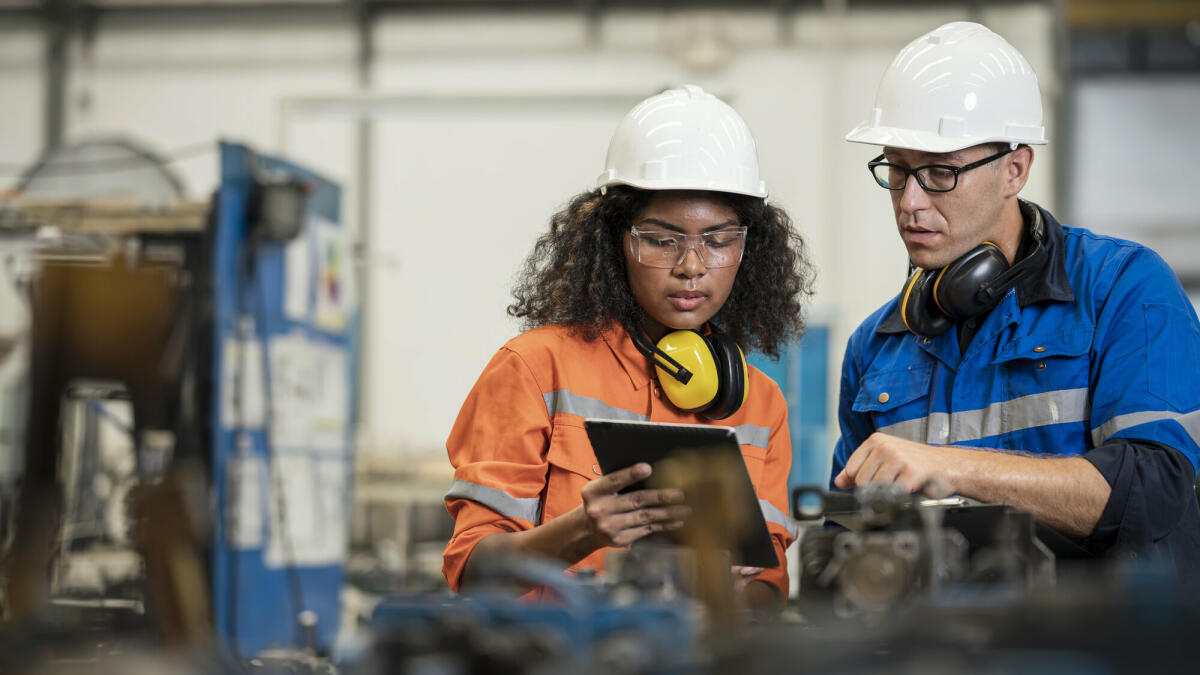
{"points": [[883, 547]]}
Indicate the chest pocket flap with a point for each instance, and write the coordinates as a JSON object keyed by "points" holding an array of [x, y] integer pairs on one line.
{"points": [[1072, 342], [893, 388], [570, 449]]}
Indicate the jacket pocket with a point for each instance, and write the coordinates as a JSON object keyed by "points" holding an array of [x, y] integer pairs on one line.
{"points": [[1070, 343], [755, 459], [571, 450], [897, 397], [572, 465], [1056, 366], [1170, 330], [885, 391]]}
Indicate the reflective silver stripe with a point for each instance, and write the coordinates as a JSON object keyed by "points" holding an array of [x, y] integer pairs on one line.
{"points": [[1026, 412], [566, 401], [933, 428], [1189, 421], [774, 515], [748, 434], [529, 508]]}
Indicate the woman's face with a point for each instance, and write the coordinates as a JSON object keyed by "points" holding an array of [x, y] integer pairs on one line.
{"points": [[689, 293]]}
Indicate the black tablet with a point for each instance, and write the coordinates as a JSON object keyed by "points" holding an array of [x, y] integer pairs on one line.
{"points": [[619, 444]]}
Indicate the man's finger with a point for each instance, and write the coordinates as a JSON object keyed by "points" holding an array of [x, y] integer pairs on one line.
{"points": [[868, 472], [843, 480], [885, 472], [858, 457]]}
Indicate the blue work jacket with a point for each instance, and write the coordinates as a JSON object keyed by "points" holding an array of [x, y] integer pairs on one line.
{"points": [[1096, 353]]}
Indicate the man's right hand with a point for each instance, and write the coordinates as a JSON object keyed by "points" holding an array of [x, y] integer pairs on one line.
{"points": [[620, 519]]}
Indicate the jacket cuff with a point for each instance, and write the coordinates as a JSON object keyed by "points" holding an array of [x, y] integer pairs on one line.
{"points": [[1150, 483]]}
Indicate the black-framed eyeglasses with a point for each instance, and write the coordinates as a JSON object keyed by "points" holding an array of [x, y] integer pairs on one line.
{"points": [[931, 177]]}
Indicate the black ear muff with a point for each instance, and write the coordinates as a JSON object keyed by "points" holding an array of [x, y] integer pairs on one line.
{"points": [[731, 364], [918, 308], [960, 289]]}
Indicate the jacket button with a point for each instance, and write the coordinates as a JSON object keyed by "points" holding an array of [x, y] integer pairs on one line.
{"points": [[1041, 365], [883, 398], [1039, 349]]}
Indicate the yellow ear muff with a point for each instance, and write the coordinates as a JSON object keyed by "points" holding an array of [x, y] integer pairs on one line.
{"points": [[692, 352]]}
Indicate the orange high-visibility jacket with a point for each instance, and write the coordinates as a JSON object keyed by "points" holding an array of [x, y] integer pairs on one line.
{"points": [[521, 456]]}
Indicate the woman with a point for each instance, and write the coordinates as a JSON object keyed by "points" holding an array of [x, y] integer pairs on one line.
{"points": [[677, 235]]}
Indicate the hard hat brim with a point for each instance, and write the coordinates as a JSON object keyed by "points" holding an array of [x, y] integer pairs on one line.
{"points": [[924, 141], [677, 184]]}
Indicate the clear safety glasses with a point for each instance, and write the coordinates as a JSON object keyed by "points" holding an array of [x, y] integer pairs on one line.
{"points": [[663, 248], [931, 177]]}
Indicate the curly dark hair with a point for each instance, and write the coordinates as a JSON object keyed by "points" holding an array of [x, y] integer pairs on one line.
{"points": [[576, 272]]}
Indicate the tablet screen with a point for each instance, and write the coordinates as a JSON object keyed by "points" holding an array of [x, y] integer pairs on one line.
{"points": [[619, 444]]}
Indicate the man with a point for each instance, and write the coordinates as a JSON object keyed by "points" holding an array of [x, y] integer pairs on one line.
{"points": [[1024, 362]]}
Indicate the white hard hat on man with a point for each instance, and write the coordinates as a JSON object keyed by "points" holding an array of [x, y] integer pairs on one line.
{"points": [[957, 86]]}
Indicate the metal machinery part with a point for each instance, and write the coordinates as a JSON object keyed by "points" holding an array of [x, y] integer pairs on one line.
{"points": [[898, 546]]}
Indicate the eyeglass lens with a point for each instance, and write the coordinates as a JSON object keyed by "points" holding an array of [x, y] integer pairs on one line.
{"points": [[660, 248], [936, 178]]}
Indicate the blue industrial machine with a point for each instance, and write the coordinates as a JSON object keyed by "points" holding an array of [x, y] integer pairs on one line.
{"points": [[583, 624], [802, 373], [284, 360]]}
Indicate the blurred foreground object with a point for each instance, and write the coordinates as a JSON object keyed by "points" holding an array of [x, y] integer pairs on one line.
{"points": [[896, 546], [114, 316], [187, 447]]}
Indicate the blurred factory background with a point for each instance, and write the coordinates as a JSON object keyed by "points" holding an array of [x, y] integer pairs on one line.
{"points": [[441, 136]]}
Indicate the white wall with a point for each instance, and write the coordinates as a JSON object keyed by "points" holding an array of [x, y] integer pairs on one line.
{"points": [[459, 187], [1120, 154], [177, 80], [21, 95]]}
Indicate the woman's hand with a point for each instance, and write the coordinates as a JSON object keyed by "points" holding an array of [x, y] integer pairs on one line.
{"points": [[613, 519], [742, 576]]}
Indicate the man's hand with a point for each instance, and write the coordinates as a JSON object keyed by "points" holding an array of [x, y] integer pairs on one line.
{"points": [[888, 459], [614, 519]]}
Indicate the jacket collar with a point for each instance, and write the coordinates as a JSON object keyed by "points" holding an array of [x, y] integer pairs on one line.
{"points": [[636, 366], [1044, 283]]}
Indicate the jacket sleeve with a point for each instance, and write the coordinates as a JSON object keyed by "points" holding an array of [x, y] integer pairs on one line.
{"points": [[855, 427], [498, 448], [1145, 417], [773, 492]]}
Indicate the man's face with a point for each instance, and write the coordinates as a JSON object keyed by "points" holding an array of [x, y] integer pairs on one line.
{"points": [[939, 227], [688, 294]]}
